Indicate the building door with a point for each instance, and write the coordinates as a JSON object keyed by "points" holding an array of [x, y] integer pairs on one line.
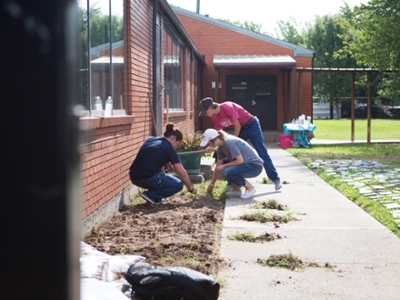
{"points": [[257, 94]]}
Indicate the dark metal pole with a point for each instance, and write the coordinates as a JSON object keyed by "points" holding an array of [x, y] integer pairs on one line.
{"points": [[157, 88], [40, 209]]}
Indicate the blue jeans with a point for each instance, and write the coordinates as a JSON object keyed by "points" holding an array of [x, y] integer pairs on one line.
{"points": [[253, 133], [237, 174], [160, 185]]}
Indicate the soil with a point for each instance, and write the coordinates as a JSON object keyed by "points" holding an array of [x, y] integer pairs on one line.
{"points": [[179, 232]]}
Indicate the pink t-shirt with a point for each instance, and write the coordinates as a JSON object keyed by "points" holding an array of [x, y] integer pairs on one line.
{"points": [[230, 112]]}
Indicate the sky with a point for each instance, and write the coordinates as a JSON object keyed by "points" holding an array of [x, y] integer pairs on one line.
{"points": [[267, 12]]}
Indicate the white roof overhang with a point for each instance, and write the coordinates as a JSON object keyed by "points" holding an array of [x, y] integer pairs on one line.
{"points": [[254, 61]]}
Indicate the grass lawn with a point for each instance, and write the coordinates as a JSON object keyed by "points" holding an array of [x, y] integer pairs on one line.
{"points": [[388, 154], [381, 129]]}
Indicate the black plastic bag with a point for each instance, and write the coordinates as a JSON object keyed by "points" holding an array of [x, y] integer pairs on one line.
{"points": [[170, 283]]}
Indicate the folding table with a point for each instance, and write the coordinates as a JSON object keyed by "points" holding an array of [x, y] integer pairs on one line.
{"points": [[299, 132]]}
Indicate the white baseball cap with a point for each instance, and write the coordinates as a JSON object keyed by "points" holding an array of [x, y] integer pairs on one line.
{"points": [[208, 135]]}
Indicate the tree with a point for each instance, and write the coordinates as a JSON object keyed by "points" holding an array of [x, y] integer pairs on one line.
{"points": [[323, 38], [372, 38], [288, 31]]}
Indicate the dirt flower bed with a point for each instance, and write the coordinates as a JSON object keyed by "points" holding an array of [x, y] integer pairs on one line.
{"points": [[179, 232]]}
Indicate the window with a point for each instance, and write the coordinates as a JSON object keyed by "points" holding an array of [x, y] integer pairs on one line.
{"points": [[172, 53], [101, 54]]}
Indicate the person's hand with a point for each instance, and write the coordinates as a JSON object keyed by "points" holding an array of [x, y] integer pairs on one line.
{"points": [[210, 188], [209, 149], [220, 168], [170, 167], [193, 190]]}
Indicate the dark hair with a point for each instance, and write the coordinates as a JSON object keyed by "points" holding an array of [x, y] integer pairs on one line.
{"points": [[222, 134], [169, 130]]}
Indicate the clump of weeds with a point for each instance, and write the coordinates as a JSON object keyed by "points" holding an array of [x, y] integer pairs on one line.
{"points": [[270, 204], [291, 262], [266, 216], [249, 236], [266, 180]]}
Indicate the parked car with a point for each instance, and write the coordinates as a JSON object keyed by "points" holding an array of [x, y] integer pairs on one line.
{"points": [[360, 111]]}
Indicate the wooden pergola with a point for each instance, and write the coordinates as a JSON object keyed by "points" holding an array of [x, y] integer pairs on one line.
{"points": [[353, 72]]}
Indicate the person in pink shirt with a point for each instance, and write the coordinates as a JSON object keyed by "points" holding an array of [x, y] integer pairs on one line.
{"points": [[230, 115]]}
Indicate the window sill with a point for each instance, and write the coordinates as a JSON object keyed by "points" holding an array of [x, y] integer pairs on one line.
{"points": [[101, 122], [175, 114]]}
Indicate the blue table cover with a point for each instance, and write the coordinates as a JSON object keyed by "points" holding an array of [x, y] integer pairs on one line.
{"points": [[299, 132]]}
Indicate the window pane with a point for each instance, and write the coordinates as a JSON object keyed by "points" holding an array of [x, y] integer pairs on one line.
{"points": [[83, 57], [168, 76], [117, 21], [99, 32], [172, 51], [239, 91], [102, 71]]}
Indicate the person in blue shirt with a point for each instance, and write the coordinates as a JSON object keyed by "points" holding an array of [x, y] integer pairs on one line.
{"points": [[146, 170]]}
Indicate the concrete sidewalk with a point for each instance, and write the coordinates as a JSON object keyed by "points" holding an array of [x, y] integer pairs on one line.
{"points": [[331, 229]]}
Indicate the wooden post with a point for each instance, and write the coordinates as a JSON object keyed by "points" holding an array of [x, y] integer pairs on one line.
{"points": [[353, 79], [369, 104], [300, 90]]}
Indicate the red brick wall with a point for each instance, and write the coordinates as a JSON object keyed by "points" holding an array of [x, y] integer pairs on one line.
{"points": [[107, 152], [111, 144]]}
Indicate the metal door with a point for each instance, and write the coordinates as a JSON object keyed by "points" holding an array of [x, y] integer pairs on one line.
{"points": [[257, 94]]}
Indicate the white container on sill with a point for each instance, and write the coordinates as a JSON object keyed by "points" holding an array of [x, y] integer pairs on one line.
{"points": [[109, 107], [98, 104]]}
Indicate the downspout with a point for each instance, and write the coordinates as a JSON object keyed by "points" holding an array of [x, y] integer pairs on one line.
{"points": [[156, 99], [292, 93], [216, 98], [200, 89]]}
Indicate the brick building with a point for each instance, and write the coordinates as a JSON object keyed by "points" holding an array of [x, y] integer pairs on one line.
{"points": [[254, 70]]}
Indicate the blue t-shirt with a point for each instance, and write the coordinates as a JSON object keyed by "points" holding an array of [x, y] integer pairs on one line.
{"points": [[154, 154]]}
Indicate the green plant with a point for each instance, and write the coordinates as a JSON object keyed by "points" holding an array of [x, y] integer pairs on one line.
{"points": [[191, 142]]}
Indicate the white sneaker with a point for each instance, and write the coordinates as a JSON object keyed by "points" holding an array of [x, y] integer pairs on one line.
{"points": [[233, 194], [248, 194], [278, 185]]}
